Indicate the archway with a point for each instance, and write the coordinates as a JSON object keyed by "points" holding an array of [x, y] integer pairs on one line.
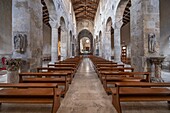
{"points": [[86, 35], [62, 39], [112, 43], [85, 47], [71, 44], [108, 51], [59, 43], [125, 35], [46, 33], [118, 22], [97, 46], [101, 45]]}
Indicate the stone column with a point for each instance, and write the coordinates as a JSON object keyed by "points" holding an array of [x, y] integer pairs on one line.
{"points": [[117, 42], [27, 35], [144, 24], [63, 43], [108, 45], [54, 41]]}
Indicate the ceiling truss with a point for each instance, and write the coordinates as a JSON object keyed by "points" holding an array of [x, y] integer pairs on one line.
{"points": [[45, 13], [85, 9], [126, 15]]}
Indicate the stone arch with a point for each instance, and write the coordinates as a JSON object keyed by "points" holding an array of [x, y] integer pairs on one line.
{"points": [[101, 45], [97, 45], [112, 43], [82, 34], [107, 40], [63, 39], [85, 24], [62, 23], [51, 9], [71, 36], [108, 24], [118, 22], [120, 11], [71, 44]]}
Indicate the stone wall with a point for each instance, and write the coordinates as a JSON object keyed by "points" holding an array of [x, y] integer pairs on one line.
{"points": [[30, 26], [6, 27], [64, 9], [46, 40], [142, 24], [125, 34], [137, 34], [165, 27]]}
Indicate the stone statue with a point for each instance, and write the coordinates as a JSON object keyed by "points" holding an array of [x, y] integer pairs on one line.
{"points": [[20, 42], [151, 42]]}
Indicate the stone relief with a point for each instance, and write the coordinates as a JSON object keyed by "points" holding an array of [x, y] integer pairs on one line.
{"points": [[20, 42], [151, 42]]}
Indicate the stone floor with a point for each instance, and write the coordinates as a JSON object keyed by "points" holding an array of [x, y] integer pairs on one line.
{"points": [[86, 95]]}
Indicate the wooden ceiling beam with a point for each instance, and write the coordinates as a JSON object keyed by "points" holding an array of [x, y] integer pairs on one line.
{"points": [[76, 8], [85, 8], [91, 12], [95, 9]]}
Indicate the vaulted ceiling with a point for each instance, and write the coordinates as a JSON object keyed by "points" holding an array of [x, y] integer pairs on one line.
{"points": [[85, 9]]}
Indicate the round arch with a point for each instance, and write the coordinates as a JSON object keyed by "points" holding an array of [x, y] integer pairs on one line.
{"points": [[108, 24], [62, 23], [51, 8], [121, 14], [82, 34], [107, 41], [120, 11], [62, 39], [101, 43]]}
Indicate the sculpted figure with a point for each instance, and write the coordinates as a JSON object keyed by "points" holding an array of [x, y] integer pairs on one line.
{"points": [[151, 42], [20, 43]]}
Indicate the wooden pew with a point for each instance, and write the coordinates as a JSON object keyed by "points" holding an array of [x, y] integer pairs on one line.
{"points": [[31, 93], [62, 65], [111, 78], [70, 70], [102, 70], [109, 65], [139, 91], [61, 78], [65, 66]]}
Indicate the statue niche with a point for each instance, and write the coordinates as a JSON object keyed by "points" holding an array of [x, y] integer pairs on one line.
{"points": [[151, 43], [20, 43]]}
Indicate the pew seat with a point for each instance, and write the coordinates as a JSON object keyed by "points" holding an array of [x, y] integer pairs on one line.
{"points": [[31, 93], [139, 91]]}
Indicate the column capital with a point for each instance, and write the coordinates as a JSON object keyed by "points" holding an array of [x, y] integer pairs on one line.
{"points": [[118, 25], [53, 23]]}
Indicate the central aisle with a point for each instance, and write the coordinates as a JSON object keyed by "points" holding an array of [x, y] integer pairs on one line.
{"points": [[86, 93]]}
